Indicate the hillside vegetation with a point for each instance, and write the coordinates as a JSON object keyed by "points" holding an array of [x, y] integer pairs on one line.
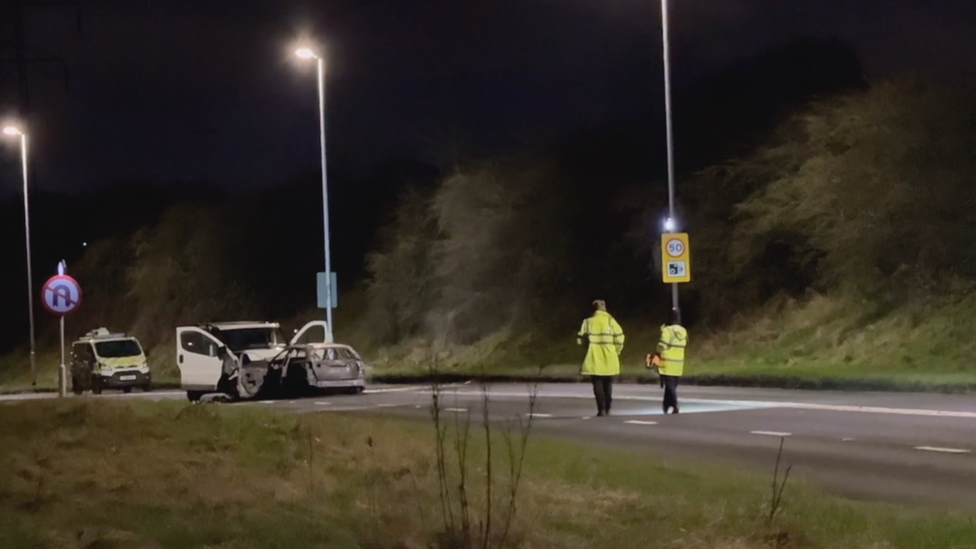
{"points": [[832, 245], [839, 248]]}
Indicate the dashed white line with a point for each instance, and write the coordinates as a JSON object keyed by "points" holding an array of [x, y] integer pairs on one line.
{"points": [[752, 404], [393, 390], [942, 450], [456, 410], [640, 422], [847, 439], [386, 405], [538, 415], [770, 433], [324, 403]]}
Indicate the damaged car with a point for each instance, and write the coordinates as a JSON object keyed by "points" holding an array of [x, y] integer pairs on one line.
{"points": [[245, 360]]}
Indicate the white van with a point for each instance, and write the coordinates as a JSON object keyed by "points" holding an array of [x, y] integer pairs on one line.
{"points": [[236, 358]]}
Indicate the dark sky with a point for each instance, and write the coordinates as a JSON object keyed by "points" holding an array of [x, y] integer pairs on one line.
{"points": [[200, 90]]}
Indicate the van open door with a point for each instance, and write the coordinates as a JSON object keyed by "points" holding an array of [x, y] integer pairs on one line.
{"points": [[313, 332], [198, 357]]}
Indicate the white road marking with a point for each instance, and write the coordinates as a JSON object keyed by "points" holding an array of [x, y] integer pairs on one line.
{"points": [[770, 433], [324, 403], [942, 450], [457, 410], [393, 390], [640, 422], [755, 404], [846, 439], [538, 415], [877, 410], [387, 405]]}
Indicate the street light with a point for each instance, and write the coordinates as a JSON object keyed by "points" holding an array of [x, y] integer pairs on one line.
{"points": [[13, 131], [667, 109], [307, 53]]}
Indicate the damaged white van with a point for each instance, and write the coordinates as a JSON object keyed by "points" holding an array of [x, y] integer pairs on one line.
{"points": [[249, 359]]}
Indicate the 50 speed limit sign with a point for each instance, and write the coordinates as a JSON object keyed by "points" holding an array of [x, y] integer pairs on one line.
{"points": [[675, 258]]}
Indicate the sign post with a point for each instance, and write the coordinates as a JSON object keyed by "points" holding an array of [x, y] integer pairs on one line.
{"points": [[61, 296], [675, 258]]}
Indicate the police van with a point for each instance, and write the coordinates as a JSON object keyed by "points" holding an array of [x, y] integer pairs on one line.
{"points": [[103, 360]]}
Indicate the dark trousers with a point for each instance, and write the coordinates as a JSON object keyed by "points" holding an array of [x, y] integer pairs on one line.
{"points": [[603, 391], [670, 392]]}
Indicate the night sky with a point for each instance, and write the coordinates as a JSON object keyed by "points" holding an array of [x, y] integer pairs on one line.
{"points": [[194, 90]]}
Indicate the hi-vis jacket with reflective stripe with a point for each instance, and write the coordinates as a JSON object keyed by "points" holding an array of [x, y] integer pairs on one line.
{"points": [[674, 339], [606, 341]]}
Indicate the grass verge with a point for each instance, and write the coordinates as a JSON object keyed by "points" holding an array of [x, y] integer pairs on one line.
{"points": [[89, 473], [821, 342]]}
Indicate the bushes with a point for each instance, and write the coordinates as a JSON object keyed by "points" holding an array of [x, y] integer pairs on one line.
{"points": [[886, 184], [870, 192], [483, 253]]}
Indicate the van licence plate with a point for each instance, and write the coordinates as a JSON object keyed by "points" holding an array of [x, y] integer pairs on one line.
{"points": [[127, 378]]}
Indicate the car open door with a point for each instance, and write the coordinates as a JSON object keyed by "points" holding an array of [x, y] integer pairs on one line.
{"points": [[313, 332], [198, 359]]}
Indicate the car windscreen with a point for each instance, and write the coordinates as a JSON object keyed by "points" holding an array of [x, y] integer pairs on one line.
{"points": [[117, 349], [244, 339]]}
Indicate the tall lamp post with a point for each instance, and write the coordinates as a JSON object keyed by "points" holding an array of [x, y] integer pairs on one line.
{"points": [[14, 131], [669, 224], [308, 53]]}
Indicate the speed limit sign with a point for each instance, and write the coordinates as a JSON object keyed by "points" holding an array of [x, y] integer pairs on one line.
{"points": [[676, 266]]}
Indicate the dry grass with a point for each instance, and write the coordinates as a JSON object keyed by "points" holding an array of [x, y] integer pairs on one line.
{"points": [[97, 474], [839, 337]]}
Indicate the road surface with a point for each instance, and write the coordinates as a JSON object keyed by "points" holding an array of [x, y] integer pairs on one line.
{"points": [[905, 448]]}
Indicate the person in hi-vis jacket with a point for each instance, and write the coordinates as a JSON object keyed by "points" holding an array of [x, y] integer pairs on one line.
{"points": [[604, 339], [671, 359]]}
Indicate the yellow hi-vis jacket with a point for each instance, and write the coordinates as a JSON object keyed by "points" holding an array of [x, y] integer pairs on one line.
{"points": [[605, 341], [674, 339]]}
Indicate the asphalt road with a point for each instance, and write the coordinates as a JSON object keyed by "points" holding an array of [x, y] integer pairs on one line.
{"points": [[904, 448]]}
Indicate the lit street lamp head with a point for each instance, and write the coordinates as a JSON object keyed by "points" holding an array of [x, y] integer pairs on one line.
{"points": [[305, 53], [669, 225], [12, 130]]}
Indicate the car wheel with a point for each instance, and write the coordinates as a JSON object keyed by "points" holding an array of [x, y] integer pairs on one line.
{"points": [[194, 396], [147, 387], [96, 386], [360, 390], [127, 390]]}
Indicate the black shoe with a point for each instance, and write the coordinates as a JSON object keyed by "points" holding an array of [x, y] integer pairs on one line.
{"points": [[600, 413], [675, 410]]}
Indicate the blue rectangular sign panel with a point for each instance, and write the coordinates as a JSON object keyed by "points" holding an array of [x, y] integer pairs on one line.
{"points": [[322, 286]]}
